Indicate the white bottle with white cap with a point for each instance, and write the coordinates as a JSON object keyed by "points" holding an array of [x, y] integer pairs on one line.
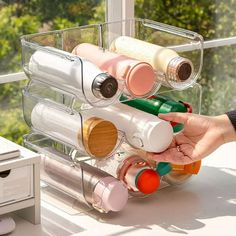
{"points": [[72, 74], [142, 130], [83, 182]]}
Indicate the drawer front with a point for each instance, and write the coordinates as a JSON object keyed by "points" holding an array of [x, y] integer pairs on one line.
{"points": [[16, 185]]}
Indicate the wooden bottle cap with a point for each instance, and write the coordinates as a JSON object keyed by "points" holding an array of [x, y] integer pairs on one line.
{"points": [[100, 137]]}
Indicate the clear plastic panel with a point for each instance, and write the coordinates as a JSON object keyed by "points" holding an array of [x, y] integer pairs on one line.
{"points": [[59, 98], [171, 178], [103, 35], [58, 172], [118, 165], [88, 134], [43, 144], [191, 95]]}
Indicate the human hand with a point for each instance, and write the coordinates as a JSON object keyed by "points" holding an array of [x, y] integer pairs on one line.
{"points": [[201, 136]]}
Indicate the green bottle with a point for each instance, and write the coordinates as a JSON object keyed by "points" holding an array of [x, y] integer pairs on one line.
{"points": [[172, 106], [151, 105], [157, 105]]}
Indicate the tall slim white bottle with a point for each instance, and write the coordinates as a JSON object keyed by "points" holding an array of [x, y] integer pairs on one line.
{"points": [[142, 130]]}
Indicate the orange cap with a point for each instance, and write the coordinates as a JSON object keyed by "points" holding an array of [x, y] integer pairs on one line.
{"points": [[148, 181], [178, 168]]}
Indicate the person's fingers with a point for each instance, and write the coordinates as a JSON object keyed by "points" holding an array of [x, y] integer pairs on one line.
{"points": [[171, 155], [177, 117], [173, 143]]}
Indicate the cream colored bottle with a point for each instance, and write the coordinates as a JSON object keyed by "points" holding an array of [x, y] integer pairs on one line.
{"points": [[163, 60], [142, 130]]}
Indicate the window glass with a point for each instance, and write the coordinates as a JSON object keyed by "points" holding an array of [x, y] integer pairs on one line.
{"points": [[18, 18], [12, 124], [213, 19]]}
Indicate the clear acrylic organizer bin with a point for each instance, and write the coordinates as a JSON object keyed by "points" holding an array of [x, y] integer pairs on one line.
{"points": [[88, 134], [191, 95], [66, 72], [64, 89], [59, 45], [50, 147]]}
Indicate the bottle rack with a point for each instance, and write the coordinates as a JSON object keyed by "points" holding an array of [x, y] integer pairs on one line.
{"points": [[73, 100], [75, 132]]}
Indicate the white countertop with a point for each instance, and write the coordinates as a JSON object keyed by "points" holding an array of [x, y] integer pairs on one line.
{"points": [[204, 206]]}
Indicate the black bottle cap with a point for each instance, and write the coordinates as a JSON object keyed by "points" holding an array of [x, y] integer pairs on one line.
{"points": [[179, 69], [184, 71], [104, 86]]}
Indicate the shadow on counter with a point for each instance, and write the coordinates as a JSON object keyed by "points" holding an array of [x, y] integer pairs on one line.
{"points": [[178, 209]]}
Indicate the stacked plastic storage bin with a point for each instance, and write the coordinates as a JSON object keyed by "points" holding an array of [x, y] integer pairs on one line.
{"points": [[92, 102]]}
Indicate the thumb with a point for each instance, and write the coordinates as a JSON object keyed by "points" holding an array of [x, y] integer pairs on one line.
{"points": [[177, 117]]}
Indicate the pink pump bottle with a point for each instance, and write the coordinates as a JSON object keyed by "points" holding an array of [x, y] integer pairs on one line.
{"points": [[139, 76]]}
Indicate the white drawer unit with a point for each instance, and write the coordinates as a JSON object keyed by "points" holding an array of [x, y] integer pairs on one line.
{"points": [[16, 184], [20, 184]]}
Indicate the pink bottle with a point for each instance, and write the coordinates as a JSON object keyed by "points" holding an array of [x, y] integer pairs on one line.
{"points": [[139, 76]]}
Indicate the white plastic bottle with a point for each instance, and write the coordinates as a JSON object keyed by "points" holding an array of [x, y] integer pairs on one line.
{"points": [[73, 75], [165, 61], [142, 130]]}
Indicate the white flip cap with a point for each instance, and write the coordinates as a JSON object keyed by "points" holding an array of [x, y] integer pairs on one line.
{"points": [[160, 137], [110, 194], [154, 137]]}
